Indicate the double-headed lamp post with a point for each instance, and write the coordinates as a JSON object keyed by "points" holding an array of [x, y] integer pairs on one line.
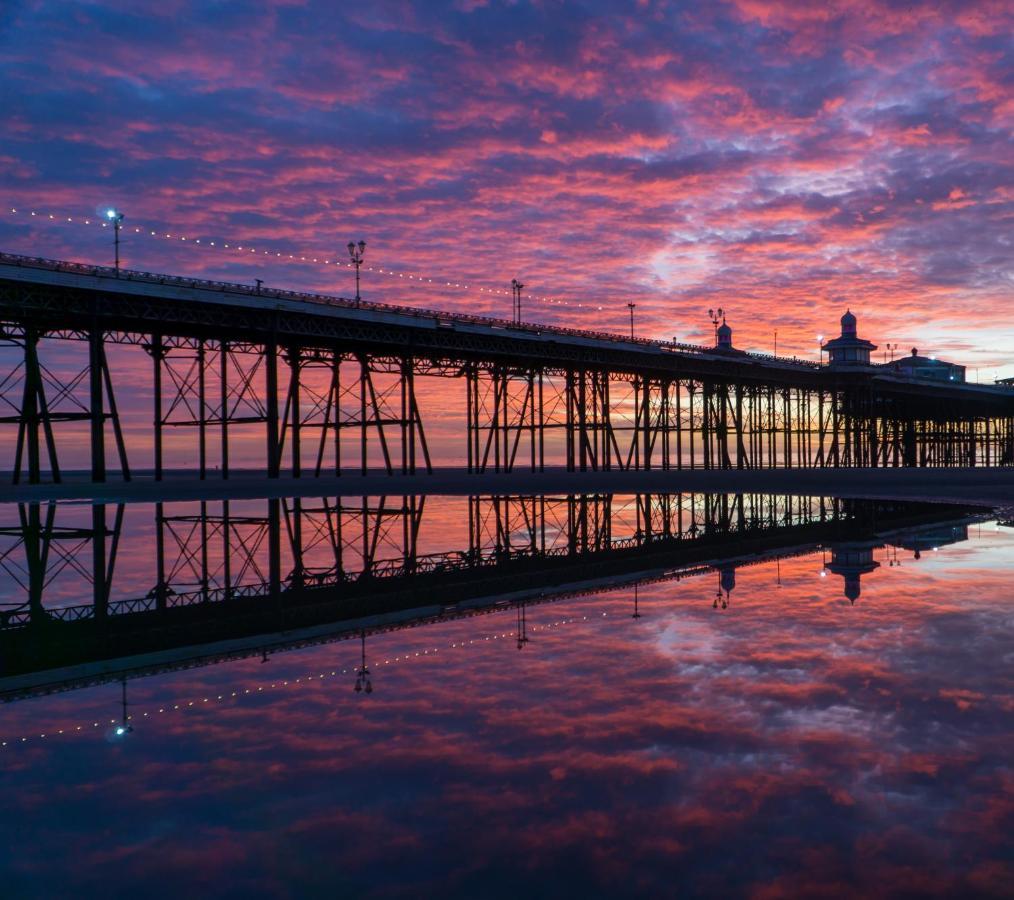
{"points": [[516, 288], [116, 217], [356, 252], [820, 339], [716, 316], [631, 306]]}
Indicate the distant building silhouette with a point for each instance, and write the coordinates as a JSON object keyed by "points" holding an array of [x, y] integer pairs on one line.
{"points": [[916, 366]]}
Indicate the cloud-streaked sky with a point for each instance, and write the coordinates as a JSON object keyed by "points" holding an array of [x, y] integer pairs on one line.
{"points": [[782, 160]]}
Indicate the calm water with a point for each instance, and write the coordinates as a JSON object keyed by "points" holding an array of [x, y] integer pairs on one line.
{"points": [[751, 731]]}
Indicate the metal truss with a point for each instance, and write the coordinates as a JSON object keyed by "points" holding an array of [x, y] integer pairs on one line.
{"points": [[37, 554], [213, 554], [334, 387], [38, 392]]}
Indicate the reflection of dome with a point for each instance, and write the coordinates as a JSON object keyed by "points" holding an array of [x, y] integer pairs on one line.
{"points": [[848, 323], [726, 583], [852, 561], [727, 579]]}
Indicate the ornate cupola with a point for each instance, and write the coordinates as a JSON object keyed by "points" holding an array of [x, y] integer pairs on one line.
{"points": [[849, 349], [724, 336]]}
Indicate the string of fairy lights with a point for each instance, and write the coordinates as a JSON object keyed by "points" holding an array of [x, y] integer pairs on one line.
{"points": [[204, 702], [246, 249]]}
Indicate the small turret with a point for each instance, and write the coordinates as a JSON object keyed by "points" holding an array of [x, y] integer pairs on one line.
{"points": [[724, 336]]}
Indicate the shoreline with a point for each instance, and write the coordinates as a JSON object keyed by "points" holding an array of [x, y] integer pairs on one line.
{"points": [[992, 488]]}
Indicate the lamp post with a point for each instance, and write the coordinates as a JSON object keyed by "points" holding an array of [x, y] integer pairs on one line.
{"points": [[716, 316], [820, 338], [516, 288], [116, 217], [356, 252], [631, 306], [892, 348], [776, 342]]}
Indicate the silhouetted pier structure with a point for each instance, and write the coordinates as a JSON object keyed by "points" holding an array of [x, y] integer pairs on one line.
{"points": [[332, 385]]}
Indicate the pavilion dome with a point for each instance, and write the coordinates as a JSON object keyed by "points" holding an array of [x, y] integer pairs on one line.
{"points": [[848, 323], [724, 335]]}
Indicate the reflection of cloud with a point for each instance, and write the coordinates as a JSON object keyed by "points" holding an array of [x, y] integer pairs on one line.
{"points": [[801, 730]]}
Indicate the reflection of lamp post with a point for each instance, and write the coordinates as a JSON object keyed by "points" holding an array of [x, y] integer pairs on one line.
{"points": [[631, 307], [522, 626], [124, 728], [516, 288], [356, 252], [637, 613], [362, 673], [116, 217], [719, 598], [716, 316]]}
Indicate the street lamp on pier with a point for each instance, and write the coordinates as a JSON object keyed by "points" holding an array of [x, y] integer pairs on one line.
{"points": [[516, 288], [356, 252], [116, 217], [820, 339], [716, 316], [631, 306]]}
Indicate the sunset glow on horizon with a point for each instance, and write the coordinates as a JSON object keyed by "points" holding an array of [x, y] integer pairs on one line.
{"points": [[780, 161]]}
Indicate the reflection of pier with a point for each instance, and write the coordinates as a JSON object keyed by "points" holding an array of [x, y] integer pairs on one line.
{"points": [[220, 575]]}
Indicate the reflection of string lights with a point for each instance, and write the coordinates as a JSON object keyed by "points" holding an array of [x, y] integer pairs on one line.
{"points": [[319, 259], [397, 659], [184, 706]]}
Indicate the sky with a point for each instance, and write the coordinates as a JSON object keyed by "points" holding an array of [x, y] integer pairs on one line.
{"points": [[784, 161]]}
